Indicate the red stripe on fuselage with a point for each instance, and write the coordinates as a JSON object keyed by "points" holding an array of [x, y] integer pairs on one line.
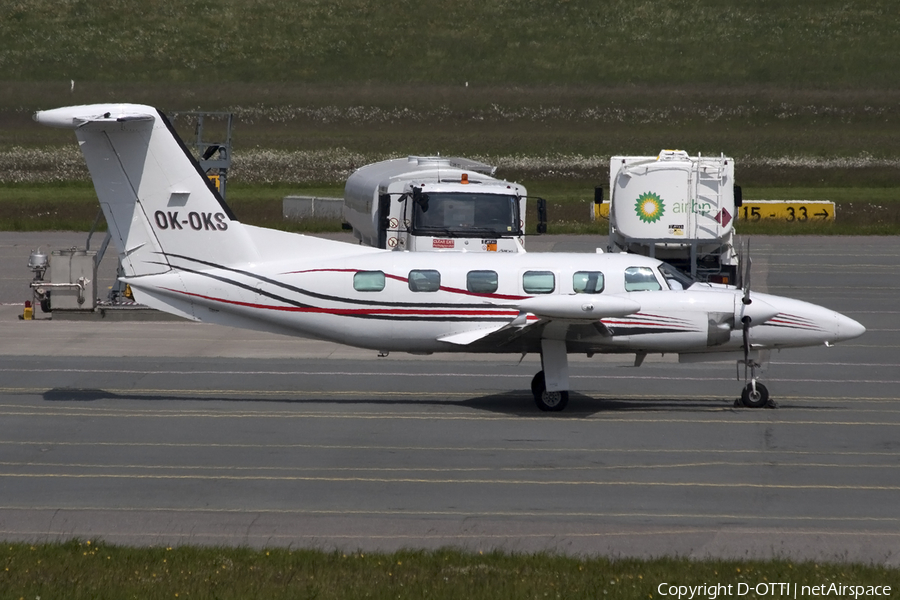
{"points": [[361, 311]]}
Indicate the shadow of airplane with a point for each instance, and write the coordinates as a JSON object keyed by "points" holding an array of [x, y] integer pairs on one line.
{"points": [[513, 403]]}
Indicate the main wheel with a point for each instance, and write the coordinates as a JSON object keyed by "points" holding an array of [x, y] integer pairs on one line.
{"points": [[756, 399], [537, 383], [547, 401]]}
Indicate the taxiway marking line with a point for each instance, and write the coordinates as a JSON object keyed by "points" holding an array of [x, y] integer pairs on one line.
{"points": [[318, 537], [414, 480], [353, 394], [455, 513], [594, 418], [725, 366], [542, 449], [768, 464]]}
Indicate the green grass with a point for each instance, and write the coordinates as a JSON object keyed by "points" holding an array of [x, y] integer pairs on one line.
{"points": [[90, 569], [777, 135], [802, 94], [800, 43], [784, 87]]}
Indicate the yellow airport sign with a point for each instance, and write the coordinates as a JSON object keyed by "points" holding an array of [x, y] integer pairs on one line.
{"points": [[753, 211], [791, 211]]}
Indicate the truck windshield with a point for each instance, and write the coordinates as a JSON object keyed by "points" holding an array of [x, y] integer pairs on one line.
{"points": [[464, 214], [677, 280]]}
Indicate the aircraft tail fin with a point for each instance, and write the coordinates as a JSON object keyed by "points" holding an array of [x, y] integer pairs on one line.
{"points": [[161, 208]]}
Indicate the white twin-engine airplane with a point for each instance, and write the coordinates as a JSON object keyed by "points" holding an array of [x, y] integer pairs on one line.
{"points": [[184, 252]]}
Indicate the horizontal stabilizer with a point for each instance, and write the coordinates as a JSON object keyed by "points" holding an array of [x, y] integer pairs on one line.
{"points": [[75, 117]]}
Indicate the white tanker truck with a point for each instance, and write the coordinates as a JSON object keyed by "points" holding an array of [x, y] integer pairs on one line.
{"points": [[676, 208], [436, 204]]}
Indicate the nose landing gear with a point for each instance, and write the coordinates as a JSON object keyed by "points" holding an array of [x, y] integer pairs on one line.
{"points": [[755, 395]]}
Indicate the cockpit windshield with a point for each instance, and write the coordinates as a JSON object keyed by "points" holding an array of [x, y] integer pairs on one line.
{"points": [[466, 214], [677, 280]]}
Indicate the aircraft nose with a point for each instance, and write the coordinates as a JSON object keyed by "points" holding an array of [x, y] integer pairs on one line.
{"points": [[847, 328]]}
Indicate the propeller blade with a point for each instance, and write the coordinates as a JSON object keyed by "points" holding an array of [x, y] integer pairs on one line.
{"points": [[748, 263], [746, 336]]}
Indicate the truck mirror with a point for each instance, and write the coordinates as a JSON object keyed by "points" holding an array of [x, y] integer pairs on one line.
{"points": [[738, 197], [420, 198], [542, 215], [598, 195]]}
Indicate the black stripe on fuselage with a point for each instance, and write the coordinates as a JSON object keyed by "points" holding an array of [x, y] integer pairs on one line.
{"points": [[317, 295], [248, 287]]}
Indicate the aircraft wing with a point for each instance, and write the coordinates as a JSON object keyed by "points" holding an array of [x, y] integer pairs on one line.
{"points": [[537, 311]]}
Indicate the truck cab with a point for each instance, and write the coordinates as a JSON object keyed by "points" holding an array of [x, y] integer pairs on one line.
{"points": [[435, 204]]}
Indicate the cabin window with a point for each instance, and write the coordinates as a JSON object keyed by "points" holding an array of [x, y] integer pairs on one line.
{"points": [[481, 282], [424, 280], [538, 282], [640, 279], [588, 282], [368, 281]]}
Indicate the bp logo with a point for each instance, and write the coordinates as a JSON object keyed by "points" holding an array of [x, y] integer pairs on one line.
{"points": [[649, 207]]}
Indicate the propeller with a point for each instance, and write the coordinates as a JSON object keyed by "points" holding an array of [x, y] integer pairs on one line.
{"points": [[752, 313]]}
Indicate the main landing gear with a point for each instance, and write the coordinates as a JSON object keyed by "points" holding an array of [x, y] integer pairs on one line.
{"points": [[548, 401], [550, 386]]}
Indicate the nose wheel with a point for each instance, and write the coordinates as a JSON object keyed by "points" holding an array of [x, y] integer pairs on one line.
{"points": [[547, 401], [755, 395]]}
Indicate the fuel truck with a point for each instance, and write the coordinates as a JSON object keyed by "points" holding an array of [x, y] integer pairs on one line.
{"points": [[434, 204]]}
